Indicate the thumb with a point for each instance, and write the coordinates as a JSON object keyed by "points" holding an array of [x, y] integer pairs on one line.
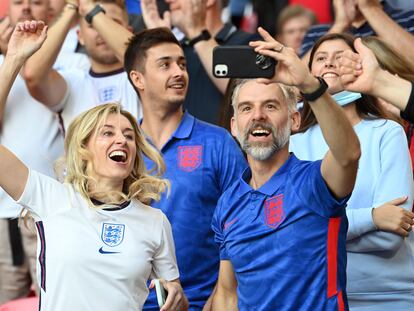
{"points": [[399, 201], [167, 17], [361, 48]]}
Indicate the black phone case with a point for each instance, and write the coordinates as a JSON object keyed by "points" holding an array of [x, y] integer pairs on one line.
{"points": [[239, 62]]}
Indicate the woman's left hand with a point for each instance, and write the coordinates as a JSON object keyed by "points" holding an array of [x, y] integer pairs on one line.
{"points": [[176, 299]]}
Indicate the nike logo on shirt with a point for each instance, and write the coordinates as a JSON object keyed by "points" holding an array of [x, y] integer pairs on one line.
{"points": [[107, 252]]}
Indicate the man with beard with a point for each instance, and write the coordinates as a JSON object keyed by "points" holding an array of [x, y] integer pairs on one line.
{"points": [[202, 160], [282, 226], [73, 91]]}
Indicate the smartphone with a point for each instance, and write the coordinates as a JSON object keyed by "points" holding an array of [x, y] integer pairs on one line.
{"points": [[241, 61], [160, 291]]}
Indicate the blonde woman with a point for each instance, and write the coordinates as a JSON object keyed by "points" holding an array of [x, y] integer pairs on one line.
{"points": [[98, 240]]}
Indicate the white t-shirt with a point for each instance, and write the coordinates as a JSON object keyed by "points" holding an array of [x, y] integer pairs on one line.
{"points": [[95, 259], [87, 90], [31, 131]]}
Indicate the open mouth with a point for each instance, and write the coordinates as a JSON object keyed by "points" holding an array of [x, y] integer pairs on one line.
{"points": [[118, 156], [177, 85], [260, 132], [330, 75]]}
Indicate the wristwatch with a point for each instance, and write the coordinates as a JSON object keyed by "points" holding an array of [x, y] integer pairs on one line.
{"points": [[97, 9], [310, 97], [203, 36]]}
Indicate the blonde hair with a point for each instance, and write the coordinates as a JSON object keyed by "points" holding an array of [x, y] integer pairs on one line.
{"points": [[389, 59], [139, 185]]}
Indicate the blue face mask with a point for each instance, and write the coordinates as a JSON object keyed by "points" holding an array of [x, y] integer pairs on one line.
{"points": [[344, 98]]}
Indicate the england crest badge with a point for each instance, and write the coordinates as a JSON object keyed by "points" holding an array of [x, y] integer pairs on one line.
{"points": [[273, 211], [189, 157], [112, 234]]}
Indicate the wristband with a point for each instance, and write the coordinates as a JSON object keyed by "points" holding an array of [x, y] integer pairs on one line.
{"points": [[203, 36], [310, 97], [97, 9]]}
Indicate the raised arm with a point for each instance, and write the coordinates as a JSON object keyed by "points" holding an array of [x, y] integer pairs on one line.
{"points": [[25, 40], [387, 29], [115, 35], [44, 83], [192, 24], [340, 164], [225, 293]]}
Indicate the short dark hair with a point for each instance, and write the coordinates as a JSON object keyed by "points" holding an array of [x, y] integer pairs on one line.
{"points": [[136, 52]]}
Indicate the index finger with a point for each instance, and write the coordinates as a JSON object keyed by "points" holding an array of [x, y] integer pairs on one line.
{"points": [[351, 55], [266, 36]]}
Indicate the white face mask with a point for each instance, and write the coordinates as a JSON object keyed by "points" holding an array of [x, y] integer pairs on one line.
{"points": [[344, 98]]}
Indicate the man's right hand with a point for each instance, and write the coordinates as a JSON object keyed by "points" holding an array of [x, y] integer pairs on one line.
{"points": [[26, 39], [152, 17], [6, 30]]}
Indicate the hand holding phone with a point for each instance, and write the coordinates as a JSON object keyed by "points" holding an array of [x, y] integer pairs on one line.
{"points": [[241, 61], [160, 291]]}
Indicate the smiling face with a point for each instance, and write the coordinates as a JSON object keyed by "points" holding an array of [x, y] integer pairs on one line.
{"points": [[95, 45], [262, 121], [325, 63], [164, 79], [113, 150]]}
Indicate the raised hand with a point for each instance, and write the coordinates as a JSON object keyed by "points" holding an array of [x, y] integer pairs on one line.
{"points": [[358, 71], [194, 17], [26, 39], [345, 12], [290, 70], [85, 6], [393, 218], [152, 17], [6, 30]]}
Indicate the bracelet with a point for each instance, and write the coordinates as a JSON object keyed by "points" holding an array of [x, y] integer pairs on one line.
{"points": [[72, 6]]}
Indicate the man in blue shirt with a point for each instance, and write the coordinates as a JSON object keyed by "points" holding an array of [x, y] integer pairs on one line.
{"points": [[202, 160], [282, 226]]}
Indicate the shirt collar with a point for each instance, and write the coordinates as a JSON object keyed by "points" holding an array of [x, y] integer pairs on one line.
{"points": [[272, 184], [225, 33], [185, 128]]}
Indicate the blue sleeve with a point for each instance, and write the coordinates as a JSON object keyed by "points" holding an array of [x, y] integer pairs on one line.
{"points": [[396, 180], [231, 163], [313, 34], [217, 227], [312, 189]]}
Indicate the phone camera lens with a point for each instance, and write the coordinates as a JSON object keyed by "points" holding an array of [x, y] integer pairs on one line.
{"points": [[263, 61]]}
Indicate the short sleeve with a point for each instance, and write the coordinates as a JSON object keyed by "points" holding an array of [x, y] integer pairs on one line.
{"points": [[43, 195], [165, 262], [312, 189], [218, 232]]}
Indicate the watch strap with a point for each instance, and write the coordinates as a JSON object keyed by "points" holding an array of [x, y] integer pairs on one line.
{"points": [[310, 97], [203, 36], [97, 9]]}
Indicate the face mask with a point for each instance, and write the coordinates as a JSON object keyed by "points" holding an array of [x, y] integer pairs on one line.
{"points": [[344, 98]]}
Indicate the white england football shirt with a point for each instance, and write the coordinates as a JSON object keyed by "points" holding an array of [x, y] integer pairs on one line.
{"points": [[95, 259]]}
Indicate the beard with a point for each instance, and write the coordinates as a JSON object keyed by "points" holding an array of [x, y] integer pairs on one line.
{"points": [[101, 58], [263, 151]]}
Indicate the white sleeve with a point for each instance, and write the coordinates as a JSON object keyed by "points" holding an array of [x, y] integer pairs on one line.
{"points": [[165, 262], [42, 195]]}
